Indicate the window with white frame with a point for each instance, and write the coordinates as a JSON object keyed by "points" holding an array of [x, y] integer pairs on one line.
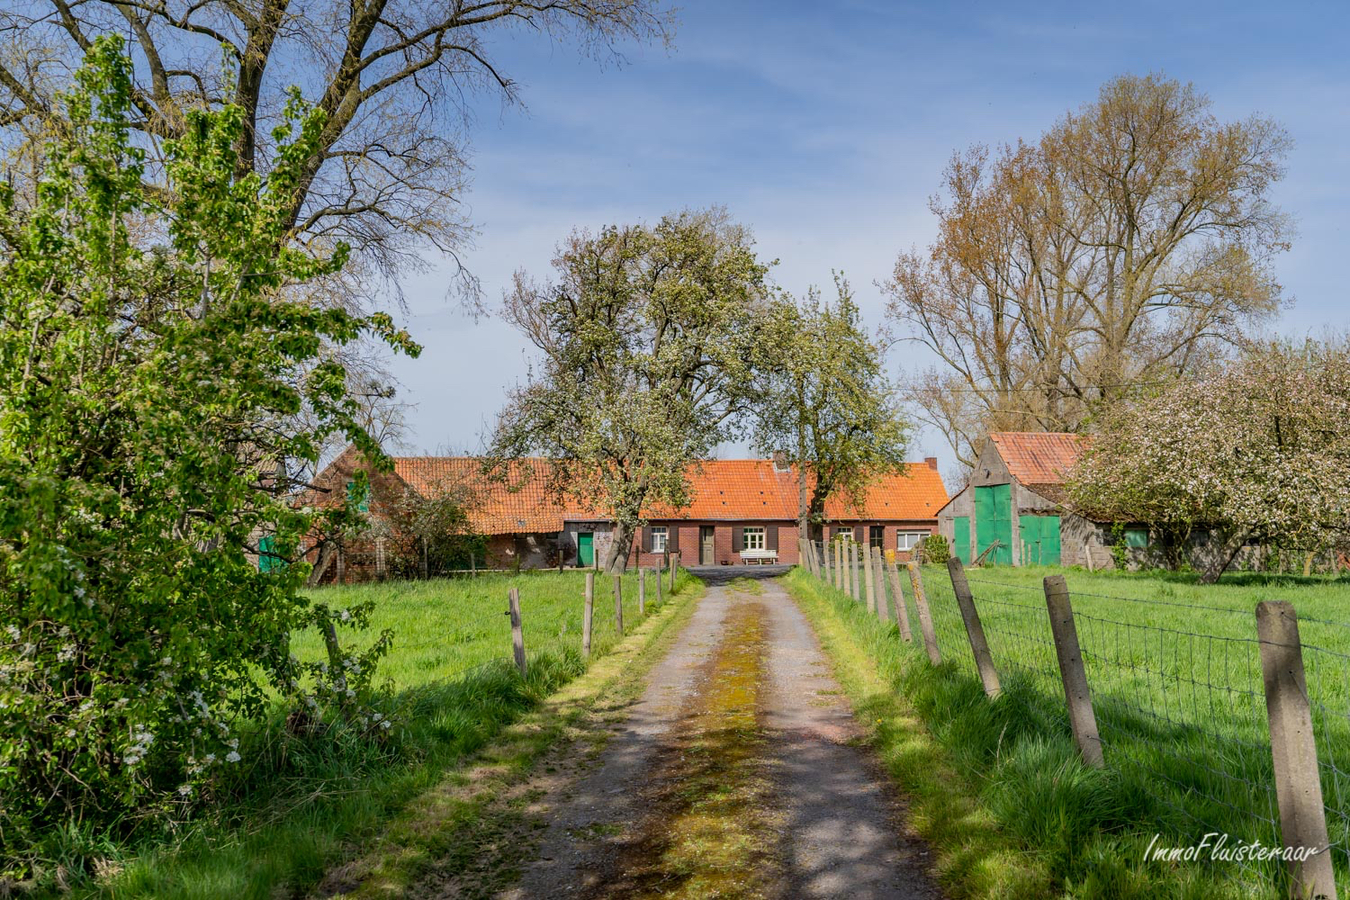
{"points": [[658, 539], [843, 533], [908, 540], [753, 538]]}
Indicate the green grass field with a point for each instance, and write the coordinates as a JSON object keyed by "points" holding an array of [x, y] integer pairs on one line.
{"points": [[1175, 673], [301, 804]]}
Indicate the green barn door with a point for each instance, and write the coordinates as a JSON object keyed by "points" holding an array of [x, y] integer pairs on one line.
{"points": [[586, 549], [961, 538], [1040, 540], [993, 522]]}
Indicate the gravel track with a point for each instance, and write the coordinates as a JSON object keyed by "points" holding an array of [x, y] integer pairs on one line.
{"points": [[833, 822]]}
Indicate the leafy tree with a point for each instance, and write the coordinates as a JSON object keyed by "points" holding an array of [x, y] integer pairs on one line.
{"points": [[827, 404], [646, 347], [1254, 452], [1131, 244], [151, 370], [432, 531], [396, 82]]}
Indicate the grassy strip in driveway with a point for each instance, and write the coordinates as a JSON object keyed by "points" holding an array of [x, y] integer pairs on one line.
{"points": [[469, 834]]}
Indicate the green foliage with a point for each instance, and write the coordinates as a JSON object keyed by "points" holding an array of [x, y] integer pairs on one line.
{"points": [[647, 341], [825, 401], [154, 375], [935, 549]]}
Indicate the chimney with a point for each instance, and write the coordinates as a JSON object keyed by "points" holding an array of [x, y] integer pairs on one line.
{"points": [[932, 462]]}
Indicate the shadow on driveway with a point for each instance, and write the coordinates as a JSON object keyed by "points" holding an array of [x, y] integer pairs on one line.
{"points": [[715, 575]]}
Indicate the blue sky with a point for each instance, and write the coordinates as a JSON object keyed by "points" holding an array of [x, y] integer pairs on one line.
{"points": [[825, 126]]}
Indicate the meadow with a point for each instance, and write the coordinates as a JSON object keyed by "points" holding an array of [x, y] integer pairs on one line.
{"points": [[1175, 674], [301, 803]]}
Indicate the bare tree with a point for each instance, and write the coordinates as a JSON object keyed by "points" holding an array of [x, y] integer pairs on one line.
{"points": [[391, 76], [1132, 243]]}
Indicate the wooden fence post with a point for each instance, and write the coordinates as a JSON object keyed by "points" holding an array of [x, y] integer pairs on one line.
{"points": [[674, 567], [335, 658], [618, 604], [869, 588], [588, 612], [517, 632], [925, 617], [840, 565], [657, 579], [901, 610], [1293, 746], [642, 591], [984, 660], [1076, 693]]}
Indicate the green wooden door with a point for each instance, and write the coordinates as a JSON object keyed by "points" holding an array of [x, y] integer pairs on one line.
{"points": [[586, 549], [1040, 540], [961, 538], [993, 522]]}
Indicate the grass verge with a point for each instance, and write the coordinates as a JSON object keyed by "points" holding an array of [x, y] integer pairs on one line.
{"points": [[300, 806], [995, 788], [467, 836]]}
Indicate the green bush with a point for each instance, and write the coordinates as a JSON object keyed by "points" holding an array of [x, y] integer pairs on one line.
{"points": [[154, 377], [934, 549]]}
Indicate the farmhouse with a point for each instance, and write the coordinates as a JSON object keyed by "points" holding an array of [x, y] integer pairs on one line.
{"points": [[1012, 512], [741, 511]]}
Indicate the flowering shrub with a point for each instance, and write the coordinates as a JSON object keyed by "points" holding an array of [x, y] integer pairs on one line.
{"points": [[1255, 453], [160, 392]]}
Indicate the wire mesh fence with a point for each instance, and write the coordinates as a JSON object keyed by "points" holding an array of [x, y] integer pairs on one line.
{"points": [[1180, 702]]}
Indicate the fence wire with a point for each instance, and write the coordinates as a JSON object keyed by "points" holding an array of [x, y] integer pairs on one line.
{"points": [[1181, 711]]}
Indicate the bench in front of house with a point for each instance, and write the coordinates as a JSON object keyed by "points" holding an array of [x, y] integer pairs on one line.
{"points": [[759, 557]]}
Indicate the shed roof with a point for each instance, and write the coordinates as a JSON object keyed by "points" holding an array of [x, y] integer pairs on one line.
{"points": [[1039, 459]]}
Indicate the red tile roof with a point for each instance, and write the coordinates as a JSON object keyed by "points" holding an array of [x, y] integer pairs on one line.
{"points": [[519, 502], [729, 489], [1039, 458]]}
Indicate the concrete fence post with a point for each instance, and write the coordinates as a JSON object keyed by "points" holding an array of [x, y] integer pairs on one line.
{"points": [[853, 585], [878, 566], [1071, 669], [869, 586], [618, 604], [1293, 747], [517, 631], [901, 610], [657, 580], [587, 614], [674, 568], [642, 591], [925, 616], [984, 660]]}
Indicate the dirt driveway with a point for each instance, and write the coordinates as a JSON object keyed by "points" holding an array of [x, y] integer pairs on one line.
{"points": [[738, 773]]}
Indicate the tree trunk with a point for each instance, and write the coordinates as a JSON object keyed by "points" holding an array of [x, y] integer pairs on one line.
{"points": [[616, 558], [321, 566], [1231, 548]]}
